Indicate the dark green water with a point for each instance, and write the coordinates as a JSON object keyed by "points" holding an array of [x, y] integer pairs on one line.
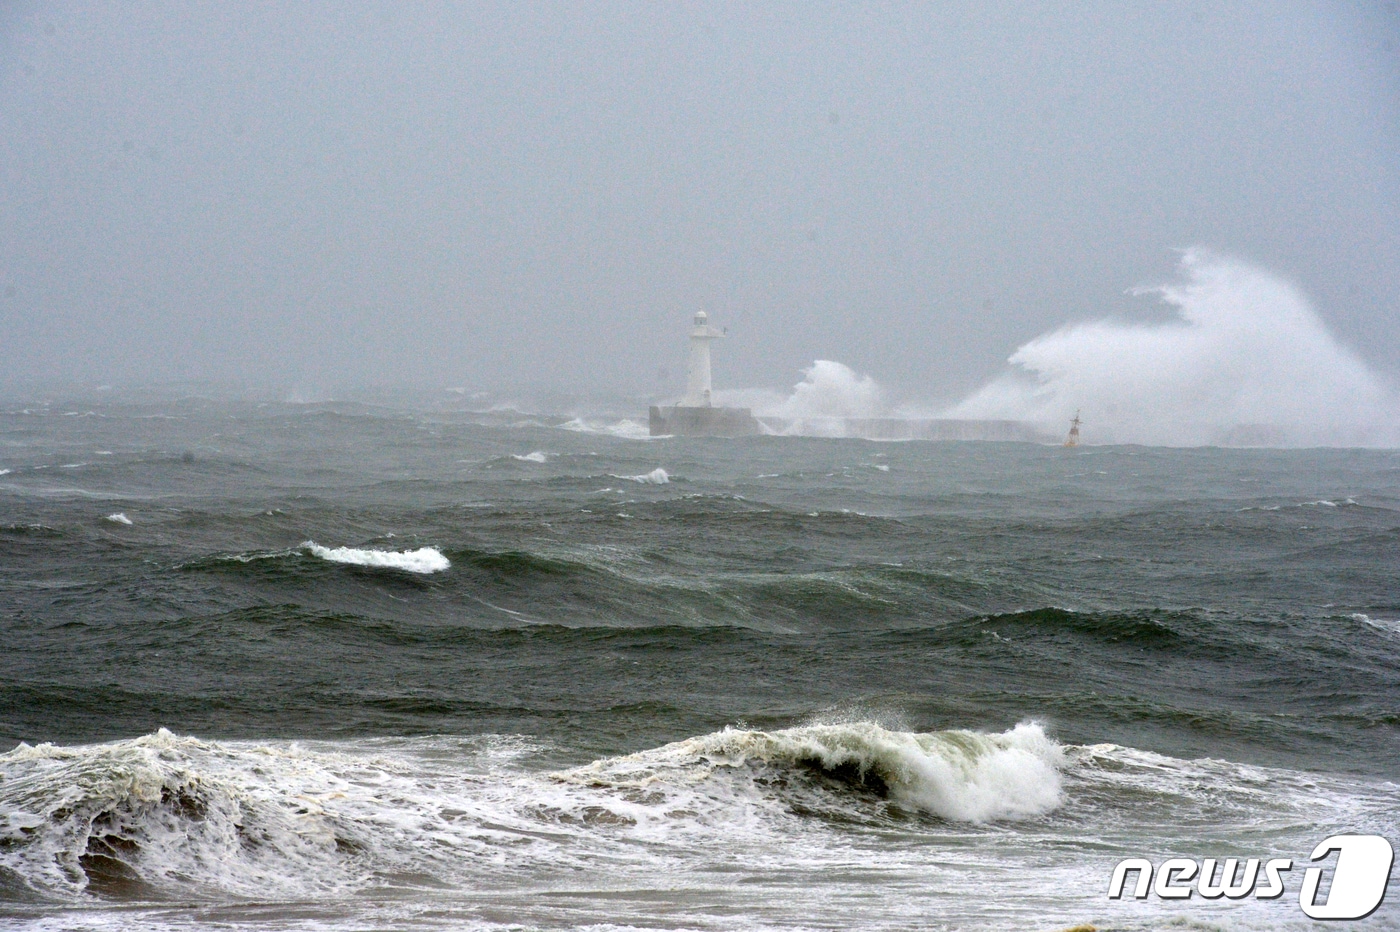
{"points": [[1199, 647]]}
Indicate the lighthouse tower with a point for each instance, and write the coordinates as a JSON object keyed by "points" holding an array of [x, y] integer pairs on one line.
{"points": [[697, 373], [695, 415]]}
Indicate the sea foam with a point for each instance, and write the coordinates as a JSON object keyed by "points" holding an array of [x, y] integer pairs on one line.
{"points": [[165, 816], [423, 560], [118, 518]]}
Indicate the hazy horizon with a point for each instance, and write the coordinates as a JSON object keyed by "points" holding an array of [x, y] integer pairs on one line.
{"points": [[534, 197]]}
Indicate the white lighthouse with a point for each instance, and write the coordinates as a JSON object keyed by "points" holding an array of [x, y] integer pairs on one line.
{"points": [[697, 372], [695, 415]]}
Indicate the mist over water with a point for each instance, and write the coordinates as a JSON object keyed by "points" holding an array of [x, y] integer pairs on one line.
{"points": [[1244, 361]]}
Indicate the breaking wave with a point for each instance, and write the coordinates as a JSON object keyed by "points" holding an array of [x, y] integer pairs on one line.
{"points": [[156, 812], [1380, 624], [422, 560], [538, 456], [1245, 361], [657, 476], [963, 776], [118, 518], [626, 429], [168, 816]]}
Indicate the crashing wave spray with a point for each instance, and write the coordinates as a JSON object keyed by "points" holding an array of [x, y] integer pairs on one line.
{"points": [[828, 389], [1246, 362], [831, 389], [821, 405]]}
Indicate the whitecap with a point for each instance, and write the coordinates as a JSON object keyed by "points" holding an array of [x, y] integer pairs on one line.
{"points": [[423, 560], [657, 476], [1381, 624], [118, 518], [626, 428], [539, 456]]}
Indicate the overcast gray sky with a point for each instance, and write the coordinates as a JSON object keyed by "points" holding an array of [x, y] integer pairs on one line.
{"points": [[488, 195]]}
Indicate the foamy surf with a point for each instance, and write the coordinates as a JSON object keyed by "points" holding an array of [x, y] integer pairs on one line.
{"points": [[118, 518], [538, 456], [423, 560], [173, 815], [816, 816], [164, 812]]}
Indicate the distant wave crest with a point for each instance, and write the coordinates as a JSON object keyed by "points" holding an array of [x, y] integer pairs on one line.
{"points": [[657, 476], [423, 560]]}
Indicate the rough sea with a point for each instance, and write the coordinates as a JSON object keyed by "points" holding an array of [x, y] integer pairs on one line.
{"points": [[347, 667]]}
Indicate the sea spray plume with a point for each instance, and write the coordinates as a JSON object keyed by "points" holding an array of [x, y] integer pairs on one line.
{"points": [[831, 389], [1246, 361], [829, 393], [828, 390]]}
